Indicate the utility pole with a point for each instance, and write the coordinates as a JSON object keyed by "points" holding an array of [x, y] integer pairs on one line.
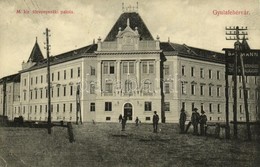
{"points": [[236, 32], [48, 78]]}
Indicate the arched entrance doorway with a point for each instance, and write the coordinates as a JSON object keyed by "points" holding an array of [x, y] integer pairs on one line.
{"points": [[128, 111]]}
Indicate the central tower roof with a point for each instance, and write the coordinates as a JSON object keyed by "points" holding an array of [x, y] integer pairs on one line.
{"points": [[136, 21]]}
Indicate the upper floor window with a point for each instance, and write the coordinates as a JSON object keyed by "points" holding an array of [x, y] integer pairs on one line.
{"points": [[79, 72], [109, 88], [218, 75], [201, 73], [167, 88], [148, 67], [41, 79], [193, 87], [64, 74], [92, 107], [108, 67], [92, 70], [58, 77], [24, 81], [166, 70], [52, 76], [183, 88], [36, 80], [192, 71], [92, 88], [71, 73], [128, 67], [210, 74], [182, 70], [201, 90]]}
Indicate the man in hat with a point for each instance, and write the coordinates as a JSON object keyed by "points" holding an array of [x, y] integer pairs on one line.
{"points": [[203, 121], [182, 120], [155, 122], [195, 117]]}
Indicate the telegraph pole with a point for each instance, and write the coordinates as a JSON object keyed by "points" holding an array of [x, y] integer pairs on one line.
{"points": [[48, 79], [236, 32]]}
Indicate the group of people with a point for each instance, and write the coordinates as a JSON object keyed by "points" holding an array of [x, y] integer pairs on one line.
{"points": [[196, 119], [123, 119]]}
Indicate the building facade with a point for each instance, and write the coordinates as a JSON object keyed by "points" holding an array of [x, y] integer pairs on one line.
{"points": [[129, 73]]}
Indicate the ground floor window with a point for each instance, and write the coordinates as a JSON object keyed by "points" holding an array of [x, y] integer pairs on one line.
{"points": [[166, 106], [92, 107], [108, 106], [147, 106]]}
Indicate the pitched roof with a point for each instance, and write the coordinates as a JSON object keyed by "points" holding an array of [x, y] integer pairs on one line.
{"points": [[36, 54], [191, 52], [135, 21], [64, 57], [11, 78]]}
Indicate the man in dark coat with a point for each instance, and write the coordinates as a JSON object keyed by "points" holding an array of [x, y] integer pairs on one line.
{"points": [[182, 120], [155, 122], [123, 121], [203, 121], [195, 117]]}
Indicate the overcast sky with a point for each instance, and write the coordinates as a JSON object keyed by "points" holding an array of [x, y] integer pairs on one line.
{"points": [[184, 21]]}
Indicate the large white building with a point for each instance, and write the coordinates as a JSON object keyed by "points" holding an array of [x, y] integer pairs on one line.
{"points": [[129, 73]]}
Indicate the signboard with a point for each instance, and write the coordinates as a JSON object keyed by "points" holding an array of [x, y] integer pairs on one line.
{"points": [[251, 61]]}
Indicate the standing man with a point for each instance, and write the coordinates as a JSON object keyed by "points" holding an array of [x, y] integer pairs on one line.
{"points": [[155, 122], [123, 121], [182, 120], [120, 118], [203, 121], [195, 117]]}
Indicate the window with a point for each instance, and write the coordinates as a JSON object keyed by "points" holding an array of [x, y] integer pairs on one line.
{"points": [[41, 93], [71, 90], [46, 108], [108, 106], [64, 107], [144, 65], [147, 106], [193, 87], [58, 91], [166, 70], [201, 90], [78, 71], [131, 67], [58, 77], [183, 88], [218, 75], [183, 105], [125, 70], [108, 118], [31, 81], [51, 92], [109, 67], [218, 91], [147, 118], [192, 71], [35, 94], [148, 67], [192, 106], [24, 95], [210, 74], [23, 109], [166, 106], [30, 109], [201, 73], [219, 106], [36, 80], [41, 79], [92, 107], [182, 70], [64, 91], [92, 88], [71, 73], [64, 74], [201, 107], [24, 81], [210, 107], [246, 77], [151, 68], [71, 107], [46, 92], [52, 76], [35, 109], [240, 109], [167, 88], [58, 107], [92, 70], [240, 93], [40, 108], [255, 80], [210, 91]]}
